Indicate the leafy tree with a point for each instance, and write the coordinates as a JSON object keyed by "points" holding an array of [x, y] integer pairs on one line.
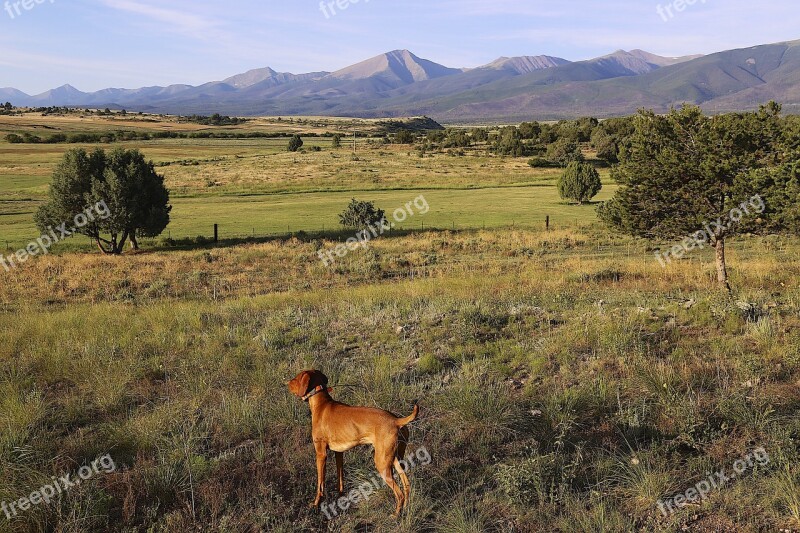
{"points": [[606, 146], [509, 142], [568, 131], [479, 135], [586, 127], [579, 182], [8, 106], [137, 201], [563, 152], [337, 140], [619, 127], [685, 175], [457, 139], [295, 143], [435, 136], [549, 134], [404, 137], [361, 215], [530, 130]]}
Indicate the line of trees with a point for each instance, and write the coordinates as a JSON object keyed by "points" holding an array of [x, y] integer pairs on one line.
{"points": [[549, 145], [121, 136], [214, 120]]}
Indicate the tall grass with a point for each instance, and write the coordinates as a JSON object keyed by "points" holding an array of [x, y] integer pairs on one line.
{"points": [[563, 387]]}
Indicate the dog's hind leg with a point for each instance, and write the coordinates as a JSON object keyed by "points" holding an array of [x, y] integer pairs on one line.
{"points": [[384, 462], [340, 471], [404, 480], [402, 444]]}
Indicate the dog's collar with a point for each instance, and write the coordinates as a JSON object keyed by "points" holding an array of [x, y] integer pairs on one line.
{"points": [[315, 391]]}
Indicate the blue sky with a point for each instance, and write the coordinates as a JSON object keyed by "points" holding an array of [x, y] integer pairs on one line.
{"points": [[93, 44]]}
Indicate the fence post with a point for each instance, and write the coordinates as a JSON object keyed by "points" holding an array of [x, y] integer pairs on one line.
{"points": [[216, 233], [547, 223]]}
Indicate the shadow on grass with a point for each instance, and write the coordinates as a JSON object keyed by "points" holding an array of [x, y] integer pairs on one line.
{"points": [[202, 242], [206, 243]]}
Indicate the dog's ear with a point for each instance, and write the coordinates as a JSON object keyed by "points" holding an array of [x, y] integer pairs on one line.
{"points": [[320, 378]]}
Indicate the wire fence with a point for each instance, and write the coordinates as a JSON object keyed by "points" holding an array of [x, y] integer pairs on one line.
{"points": [[221, 234], [218, 232]]}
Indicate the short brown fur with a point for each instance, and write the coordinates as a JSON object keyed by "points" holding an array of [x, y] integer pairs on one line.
{"points": [[340, 427]]}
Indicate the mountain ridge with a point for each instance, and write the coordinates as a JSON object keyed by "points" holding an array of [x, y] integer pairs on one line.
{"points": [[399, 83]]}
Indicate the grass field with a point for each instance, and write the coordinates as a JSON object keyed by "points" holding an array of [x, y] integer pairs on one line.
{"points": [[255, 186], [567, 381]]}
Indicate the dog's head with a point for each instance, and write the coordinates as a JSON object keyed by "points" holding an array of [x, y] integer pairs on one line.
{"points": [[306, 381]]}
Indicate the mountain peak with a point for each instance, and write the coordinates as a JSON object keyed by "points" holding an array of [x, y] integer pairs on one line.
{"points": [[251, 77], [661, 61], [624, 61], [65, 90], [399, 67], [525, 64]]}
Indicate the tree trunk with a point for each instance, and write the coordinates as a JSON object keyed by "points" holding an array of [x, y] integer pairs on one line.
{"points": [[722, 268], [100, 245], [119, 247], [134, 242]]}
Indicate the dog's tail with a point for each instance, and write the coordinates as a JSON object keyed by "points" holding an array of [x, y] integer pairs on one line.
{"points": [[402, 422]]}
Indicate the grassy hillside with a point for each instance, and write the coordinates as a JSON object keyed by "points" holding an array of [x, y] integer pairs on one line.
{"points": [[567, 381]]}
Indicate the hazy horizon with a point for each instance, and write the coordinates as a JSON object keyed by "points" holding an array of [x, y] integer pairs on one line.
{"points": [[136, 43]]}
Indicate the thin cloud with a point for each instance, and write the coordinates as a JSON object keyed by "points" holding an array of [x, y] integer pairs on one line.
{"points": [[183, 21]]}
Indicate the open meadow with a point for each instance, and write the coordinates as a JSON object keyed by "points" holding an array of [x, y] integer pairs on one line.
{"points": [[255, 187], [567, 381]]}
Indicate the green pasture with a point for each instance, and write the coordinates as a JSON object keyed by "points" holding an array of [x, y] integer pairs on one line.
{"points": [[462, 192]]}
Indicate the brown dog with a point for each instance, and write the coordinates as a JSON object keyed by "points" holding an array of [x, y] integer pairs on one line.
{"points": [[340, 427]]}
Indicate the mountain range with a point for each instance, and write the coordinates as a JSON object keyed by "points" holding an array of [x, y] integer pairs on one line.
{"points": [[399, 84]]}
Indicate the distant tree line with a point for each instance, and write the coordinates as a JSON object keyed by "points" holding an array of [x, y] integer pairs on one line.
{"points": [[214, 120], [119, 136], [7, 109], [418, 125], [557, 144]]}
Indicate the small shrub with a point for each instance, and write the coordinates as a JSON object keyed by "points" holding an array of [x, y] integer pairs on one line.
{"points": [[538, 162], [580, 182], [361, 215], [295, 143]]}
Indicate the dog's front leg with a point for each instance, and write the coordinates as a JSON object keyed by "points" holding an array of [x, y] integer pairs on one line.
{"points": [[322, 455]]}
